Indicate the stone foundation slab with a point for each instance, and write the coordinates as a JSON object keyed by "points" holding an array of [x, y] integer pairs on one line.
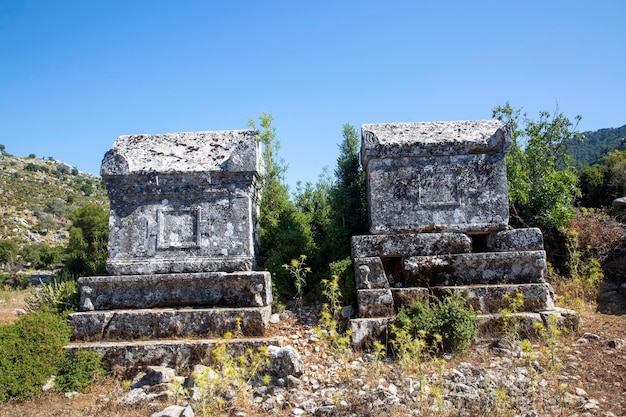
{"points": [[375, 303], [407, 297], [168, 323], [214, 289], [136, 355], [409, 244], [490, 298], [476, 268]]}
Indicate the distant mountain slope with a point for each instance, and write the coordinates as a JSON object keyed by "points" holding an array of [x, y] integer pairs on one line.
{"points": [[37, 195], [596, 144]]}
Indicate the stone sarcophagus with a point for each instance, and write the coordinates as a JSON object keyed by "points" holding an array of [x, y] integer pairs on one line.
{"points": [[436, 176], [438, 214], [182, 202], [182, 240]]}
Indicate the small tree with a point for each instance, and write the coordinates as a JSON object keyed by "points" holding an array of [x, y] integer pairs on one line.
{"points": [[348, 205], [541, 178], [8, 251], [87, 246], [284, 233]]}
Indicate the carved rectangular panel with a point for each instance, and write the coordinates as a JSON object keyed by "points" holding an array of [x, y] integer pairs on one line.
{"points": [[438, 188], [178, 228]]}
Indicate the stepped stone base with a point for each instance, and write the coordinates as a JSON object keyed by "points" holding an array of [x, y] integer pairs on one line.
{"points": [[248, 288], [490, 326], [490, 298], [518, 267], [168, 322], [136, 355]]}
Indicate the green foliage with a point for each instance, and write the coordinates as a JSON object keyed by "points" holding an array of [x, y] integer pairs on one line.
{"points": [[596, 144], [87, 247], [328, 329], [550, 332], [57, 206], [231, 373], [585, 270], [77, 372], [298, 270], [445, 324], [344, 270], [34, 186], [40, 254], [348, 198], [604, 181], [541, 178], [46, 223], [59, 295], [285, 233], [31, 350], [510, 321], [8, 251]]}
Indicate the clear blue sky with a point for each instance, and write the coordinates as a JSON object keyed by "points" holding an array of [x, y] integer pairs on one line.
{"points": [[74, 75]]}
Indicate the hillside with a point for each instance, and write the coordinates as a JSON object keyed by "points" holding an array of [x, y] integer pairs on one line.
{"points": [[37, 195], [596, 144]]}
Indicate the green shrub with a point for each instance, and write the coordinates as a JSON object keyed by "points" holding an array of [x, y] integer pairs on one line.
{"points": [[446, 324], [76, 373], [345, 271], [31, 350], [60, 295]]}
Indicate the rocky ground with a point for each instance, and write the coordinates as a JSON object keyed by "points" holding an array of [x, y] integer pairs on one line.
{"points": [[586, 378]]}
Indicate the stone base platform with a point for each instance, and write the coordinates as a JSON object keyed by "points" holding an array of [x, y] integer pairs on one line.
{"points": [[493, 326], [129, 357], [223, 289], [490, 326], [491, 298], [168, 322]]}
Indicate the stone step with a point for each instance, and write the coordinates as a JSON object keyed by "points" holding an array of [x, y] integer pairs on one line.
{"points": [[491, 298], [527, 324], [475, 268], [245, 288], [161, 323], [490, 326], [136, 355]]}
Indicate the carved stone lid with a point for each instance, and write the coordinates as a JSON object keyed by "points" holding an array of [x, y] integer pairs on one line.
{"points": [[227, 150], [433, 138]]}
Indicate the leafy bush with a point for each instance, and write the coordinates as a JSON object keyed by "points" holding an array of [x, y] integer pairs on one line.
{"points": [[60, 295], [76, 373], [31, 350], [446, 324], [344, 269]]}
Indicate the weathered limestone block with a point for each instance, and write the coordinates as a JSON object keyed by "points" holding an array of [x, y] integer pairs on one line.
{"points": [[284, 361], [412, 244], [490, 298], [132, 356], [369, 273], [375, 303], [407, 297], [216, 289], [168, 322], [365, 331], [182, 202], [424, 177], [516, 240], [476, 268]]}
